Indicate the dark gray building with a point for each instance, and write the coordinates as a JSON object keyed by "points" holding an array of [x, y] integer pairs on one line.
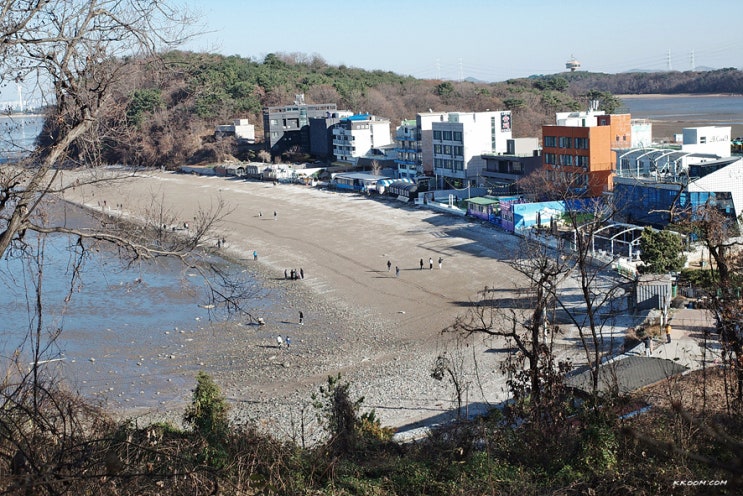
{"points": [[321, 134], [288, 127], [522, 157]]}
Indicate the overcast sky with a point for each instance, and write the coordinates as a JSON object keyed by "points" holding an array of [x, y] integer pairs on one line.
{"points": [[491, 40]]}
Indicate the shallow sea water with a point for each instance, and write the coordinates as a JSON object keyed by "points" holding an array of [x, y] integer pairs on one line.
{"points": [[127, 333]]}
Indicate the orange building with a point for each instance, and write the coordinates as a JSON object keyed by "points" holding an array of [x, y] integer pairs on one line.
{"points": [[578, 150]]}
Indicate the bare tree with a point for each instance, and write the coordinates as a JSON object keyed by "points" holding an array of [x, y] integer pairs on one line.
{"points": [[264, 156], [453, 364], [575, 237], [76, 53], [524, 320], [73, 52], [719, 234]]}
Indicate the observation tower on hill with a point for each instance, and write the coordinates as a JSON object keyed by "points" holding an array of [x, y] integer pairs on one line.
{"points": [[572, 65]]}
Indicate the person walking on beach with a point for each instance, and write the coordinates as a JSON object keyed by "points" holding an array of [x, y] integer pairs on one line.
{"points": [[301, 273], [441, 260], [288, 342], [389, 265], [397, 271], [260, 213], [279, 341], [430, 263], [255, 254], [301, 318], [275, 214], [286, 274], [421, 264]]}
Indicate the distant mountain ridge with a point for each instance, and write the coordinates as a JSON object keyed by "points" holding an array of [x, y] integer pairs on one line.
{"points": [[728, 80], [697, 69]]}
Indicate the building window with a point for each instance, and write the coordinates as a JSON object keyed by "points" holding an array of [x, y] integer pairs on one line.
{"points": [[446, 135], [437, 135], [458, 151], [565, 142], [549, 158], [581, 143], [458, 136], [550, 141], [458, 165], [581, 160], [437, 149], [566, 160], [447, 149]]}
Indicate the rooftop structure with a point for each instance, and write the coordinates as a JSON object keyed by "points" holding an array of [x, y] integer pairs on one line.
{"points": [[655, 198], [572, 65], [288, 127]]}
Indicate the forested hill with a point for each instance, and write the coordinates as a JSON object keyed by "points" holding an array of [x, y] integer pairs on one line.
{"points": [[728, 81], [171, 109]]}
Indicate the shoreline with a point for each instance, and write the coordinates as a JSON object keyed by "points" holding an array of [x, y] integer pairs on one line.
{"points": [[638, 96], [380, 332]]}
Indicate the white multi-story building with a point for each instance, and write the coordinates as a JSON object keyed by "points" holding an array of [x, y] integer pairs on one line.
{"points": [[414, 143], [460, 140], [713, 140], [356, 136]]}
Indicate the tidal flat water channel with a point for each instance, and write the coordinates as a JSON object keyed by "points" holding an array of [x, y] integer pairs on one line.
{"points": [[130, 336]]}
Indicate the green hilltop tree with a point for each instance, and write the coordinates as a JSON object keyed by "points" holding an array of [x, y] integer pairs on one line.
{"points": [[207, 413], [661, 252], [607, 102]]}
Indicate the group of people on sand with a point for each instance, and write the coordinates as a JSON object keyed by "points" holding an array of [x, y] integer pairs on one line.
{"points": [[294, 274], [281, 341], [420, 264]]}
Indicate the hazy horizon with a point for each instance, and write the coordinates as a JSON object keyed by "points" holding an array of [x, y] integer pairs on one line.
{"points": [[486, 40]]}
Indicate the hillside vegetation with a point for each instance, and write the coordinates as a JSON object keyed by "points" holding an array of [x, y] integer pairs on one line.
{"points": [[171, 109], [729, 81]]}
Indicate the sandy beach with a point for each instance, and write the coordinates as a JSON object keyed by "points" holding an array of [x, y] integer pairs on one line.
{"points": [[381, 332]]}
